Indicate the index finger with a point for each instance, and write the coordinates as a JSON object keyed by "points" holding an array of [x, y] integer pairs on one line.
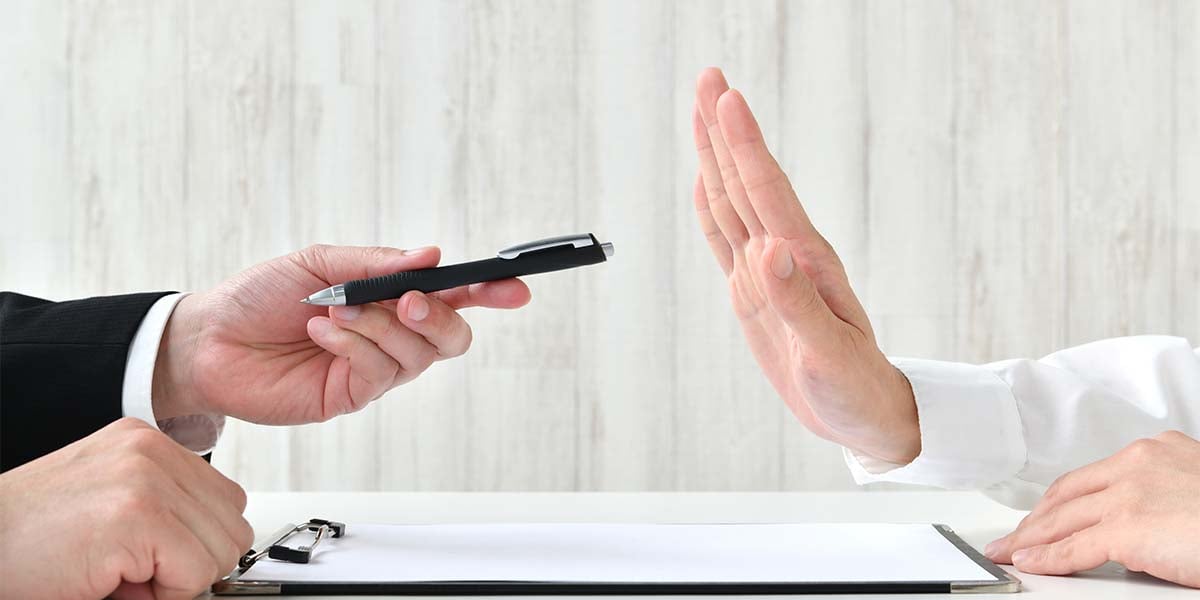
{"points": [[723, 183], [1085, 549], [766, 185], [337, 264], [1085, 480], [1065, 519], [505, 293]]}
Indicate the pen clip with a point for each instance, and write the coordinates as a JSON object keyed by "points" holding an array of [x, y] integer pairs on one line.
{"points": [[579, 240]]}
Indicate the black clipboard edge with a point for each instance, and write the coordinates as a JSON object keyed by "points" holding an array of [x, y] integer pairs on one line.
{"points": [[1004, 583], [552, 588]]}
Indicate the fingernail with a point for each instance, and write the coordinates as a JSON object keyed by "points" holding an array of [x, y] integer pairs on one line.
{"points": [[417, 250], [347, 313], [991, 549], [321, 327], [781, 263], [1019, 556], [418, 307]]}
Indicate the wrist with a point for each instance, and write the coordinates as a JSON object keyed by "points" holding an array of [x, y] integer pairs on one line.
{"points": [[898, 436], [172, 391]]}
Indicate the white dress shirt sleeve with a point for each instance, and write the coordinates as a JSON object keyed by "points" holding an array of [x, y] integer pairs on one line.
{"points": [[198, 433], [1010, 428]]}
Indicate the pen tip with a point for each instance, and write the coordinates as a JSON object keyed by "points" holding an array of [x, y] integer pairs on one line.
{"points": [[305, 301]]}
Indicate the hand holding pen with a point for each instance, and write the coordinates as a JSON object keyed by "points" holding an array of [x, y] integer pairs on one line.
{"points": [[249, 349]]}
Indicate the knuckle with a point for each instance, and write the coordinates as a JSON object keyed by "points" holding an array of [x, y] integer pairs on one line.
{"points": [[127, 424], [201, 575], [144, 440], [229, 557], [771, 178], [746, 303], [389, 328], [383, 326], [315, 249], [245, 535], [209, 572], [312, 257], [729, 172], [463, 342], [1172, 435], [716, 195], [237, 495], [1054, 490], [1141, 449], [734, 286], [395, 371], [377, 252], [1049, 497], [424, 357], [1020, 535], [1128, 555], [1024, 521], [1047, 522]]}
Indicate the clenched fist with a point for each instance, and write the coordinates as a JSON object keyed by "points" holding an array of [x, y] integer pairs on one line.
{"points": [[125, 512]]}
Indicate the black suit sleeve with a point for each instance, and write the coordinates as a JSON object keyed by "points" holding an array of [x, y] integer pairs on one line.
{"points": [[62, 365]]}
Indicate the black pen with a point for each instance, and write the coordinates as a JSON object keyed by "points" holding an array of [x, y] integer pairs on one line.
{"points": [[541, 256]]}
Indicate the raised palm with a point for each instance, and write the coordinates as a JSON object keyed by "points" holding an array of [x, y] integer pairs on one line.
{"points": [[806, 328]]}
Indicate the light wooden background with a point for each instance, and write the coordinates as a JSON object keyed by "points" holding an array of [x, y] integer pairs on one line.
{"points": [[1001, 178]]}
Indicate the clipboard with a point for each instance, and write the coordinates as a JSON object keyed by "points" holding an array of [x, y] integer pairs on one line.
{"points": [[322, 557]]}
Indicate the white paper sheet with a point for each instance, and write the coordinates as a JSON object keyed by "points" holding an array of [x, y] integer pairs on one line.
{"points": [[577, 552]]}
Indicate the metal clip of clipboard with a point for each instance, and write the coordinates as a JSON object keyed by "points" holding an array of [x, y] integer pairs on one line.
{"points": [[275, 547]]}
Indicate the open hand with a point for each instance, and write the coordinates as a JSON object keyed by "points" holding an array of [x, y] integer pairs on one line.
{"points": [[250, 349], [1137, 507], [804, 324]]}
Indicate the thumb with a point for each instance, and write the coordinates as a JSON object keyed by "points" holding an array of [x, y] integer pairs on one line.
{"points": [[793, 295], [336, 264]]}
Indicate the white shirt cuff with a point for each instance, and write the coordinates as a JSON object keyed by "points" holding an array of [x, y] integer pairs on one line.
{"points": [[198, 433], [970, 430]]}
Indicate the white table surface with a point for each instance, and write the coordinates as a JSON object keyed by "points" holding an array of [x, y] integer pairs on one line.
{"points": [[977, 519]]}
